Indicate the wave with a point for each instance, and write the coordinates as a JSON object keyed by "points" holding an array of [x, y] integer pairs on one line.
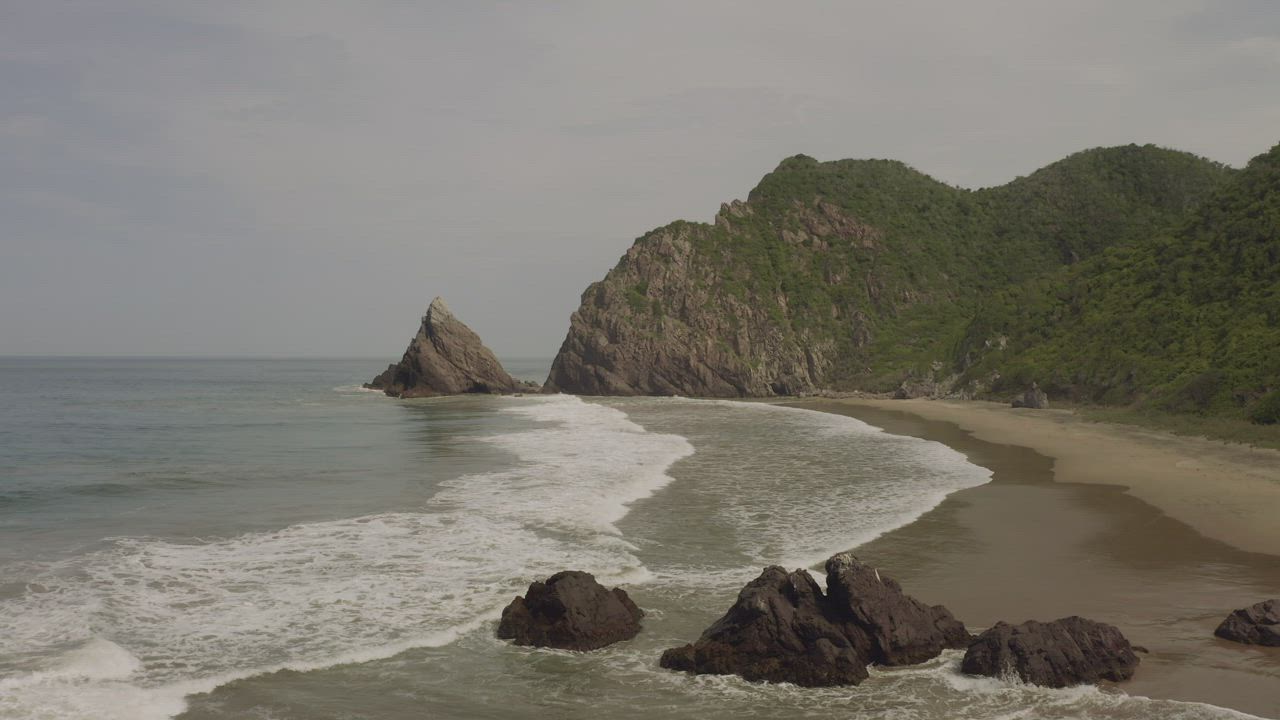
{"points": [[129, 631], [133, 630], [795, 485], [933, 689], [357, 389]]}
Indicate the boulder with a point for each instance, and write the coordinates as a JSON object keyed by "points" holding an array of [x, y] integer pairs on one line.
{"points": [[777, 631], [912, 387], [1065, 652], [783, 628], [1258, 624], [1034, 397], [902, 630], [445, 358], [570, 611]]}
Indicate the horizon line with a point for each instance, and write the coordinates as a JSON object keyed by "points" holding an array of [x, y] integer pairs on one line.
{"points": [[69, 356]]}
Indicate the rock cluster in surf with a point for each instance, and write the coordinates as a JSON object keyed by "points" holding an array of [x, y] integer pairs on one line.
{"points": [[570, 611], [783, 628], [1258, 624], [1065, 652], [445, 358]]}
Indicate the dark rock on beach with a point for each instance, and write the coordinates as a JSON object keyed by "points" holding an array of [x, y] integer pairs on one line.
{"points": [[1034, 398], [1065, 652], [783, 628], [1258, 624], [445, 358], [903, 630], [570, 611], [777, 631]]}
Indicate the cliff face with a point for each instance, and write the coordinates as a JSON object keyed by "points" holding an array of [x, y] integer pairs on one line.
{"points": [[853, 274], [445, 358], [664, 323]]}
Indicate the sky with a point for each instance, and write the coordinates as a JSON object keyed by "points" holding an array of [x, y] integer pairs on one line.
{"points": [[302, 177]]}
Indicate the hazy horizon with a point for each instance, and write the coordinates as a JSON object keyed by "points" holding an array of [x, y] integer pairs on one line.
{"points": [[293, 181]]}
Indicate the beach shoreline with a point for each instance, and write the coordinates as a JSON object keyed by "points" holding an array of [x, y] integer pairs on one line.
{"points": [[1226, 492], [1076, 522]]}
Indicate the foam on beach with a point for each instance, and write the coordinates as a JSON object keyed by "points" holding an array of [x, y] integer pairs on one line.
{"points": [[796, 485], [127, 632]]}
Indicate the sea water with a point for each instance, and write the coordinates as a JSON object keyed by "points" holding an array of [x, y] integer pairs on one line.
{"points": [[266, 539]]}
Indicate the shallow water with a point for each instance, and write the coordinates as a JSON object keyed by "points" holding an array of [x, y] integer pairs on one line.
{"points": [[261, 539]]}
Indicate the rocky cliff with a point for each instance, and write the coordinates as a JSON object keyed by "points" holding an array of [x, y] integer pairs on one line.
{"points": [[853, 274], [445, 358], [675, 317]]}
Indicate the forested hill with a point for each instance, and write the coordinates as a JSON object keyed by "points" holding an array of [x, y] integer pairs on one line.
{"points": [[1186, 321], [866, 274]]}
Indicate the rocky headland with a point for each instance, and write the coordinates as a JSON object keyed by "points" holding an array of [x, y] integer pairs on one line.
{"points": [[866, 275]]}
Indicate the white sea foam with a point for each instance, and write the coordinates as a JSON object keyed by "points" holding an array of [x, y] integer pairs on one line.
{"points": [[801, 485], [933, 689], [128, 632], [357, 389], [131, 631]]}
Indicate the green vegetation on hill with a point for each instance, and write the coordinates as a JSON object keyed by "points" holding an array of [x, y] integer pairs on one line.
{"points": [[896, 292], [1134, 276], [1184, 322]]}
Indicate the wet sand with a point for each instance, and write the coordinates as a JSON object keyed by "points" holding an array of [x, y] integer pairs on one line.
{"points": [[1035, 543], [1226, 492]]}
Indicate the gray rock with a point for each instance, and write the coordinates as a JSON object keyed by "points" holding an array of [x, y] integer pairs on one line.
{"points": [[1034, 397], [782, 628], [913, 387], [570, 611], [662, 323], [1258, 624], [1065, 652], [445, 358]]}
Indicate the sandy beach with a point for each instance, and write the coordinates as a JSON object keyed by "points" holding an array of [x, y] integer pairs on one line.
{"points": [[1159, 535], [1226, 492]]}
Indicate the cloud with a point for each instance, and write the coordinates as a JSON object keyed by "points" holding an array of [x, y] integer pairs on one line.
{"points": [[301, 178]]}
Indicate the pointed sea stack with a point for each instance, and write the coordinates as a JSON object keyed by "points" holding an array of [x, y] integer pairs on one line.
{"points": [[445, 358]]}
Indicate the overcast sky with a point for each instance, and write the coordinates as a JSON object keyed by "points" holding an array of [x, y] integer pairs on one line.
{"points": [[301, 178]]}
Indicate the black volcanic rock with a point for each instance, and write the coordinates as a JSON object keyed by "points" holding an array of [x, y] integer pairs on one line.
{"points": [[782, 628], [570, 611], [445, 358], [1065, 652], [1258, 624], [903, 630], [779, 630]]}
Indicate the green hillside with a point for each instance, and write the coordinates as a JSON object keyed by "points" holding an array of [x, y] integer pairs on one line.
{"points": [[863, 274], [1186, 321], [932, 252]]}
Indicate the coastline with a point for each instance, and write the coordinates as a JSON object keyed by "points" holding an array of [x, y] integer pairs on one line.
{"points": [[1226, 492], [1065, 527]]}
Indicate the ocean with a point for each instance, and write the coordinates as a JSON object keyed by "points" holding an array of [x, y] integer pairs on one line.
{"points": [[205, 539]]}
